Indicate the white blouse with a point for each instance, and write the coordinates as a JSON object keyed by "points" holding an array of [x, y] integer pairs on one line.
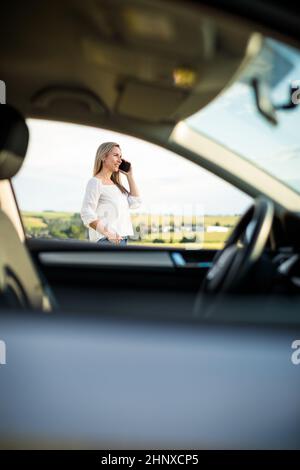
{"points": [[110, 205]]}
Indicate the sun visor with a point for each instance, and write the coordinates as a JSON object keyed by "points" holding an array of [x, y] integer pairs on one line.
{"points": [[149, 102]]}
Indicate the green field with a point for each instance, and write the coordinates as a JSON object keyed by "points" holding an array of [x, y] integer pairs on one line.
{"points": [[33, 222], [48, 215], [65, 225]]}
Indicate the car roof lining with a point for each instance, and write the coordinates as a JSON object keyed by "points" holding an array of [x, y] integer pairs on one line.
{"points": [[149, 61], [125, 54]]}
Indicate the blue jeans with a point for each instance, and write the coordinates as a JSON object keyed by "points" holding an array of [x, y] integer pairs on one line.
{"points": [[105, 241]]}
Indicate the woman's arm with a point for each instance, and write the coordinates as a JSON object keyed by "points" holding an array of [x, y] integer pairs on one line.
{"points": [[134, 199], [89, 204], [133, 190]]}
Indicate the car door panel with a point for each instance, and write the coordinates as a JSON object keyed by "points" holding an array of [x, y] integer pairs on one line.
{"points": [[88, 277]]}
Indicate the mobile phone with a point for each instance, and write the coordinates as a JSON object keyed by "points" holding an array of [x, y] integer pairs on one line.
{"points": [[125, 166]]}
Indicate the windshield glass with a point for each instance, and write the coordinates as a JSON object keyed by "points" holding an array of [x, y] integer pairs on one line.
{"points": [[234, 121]]}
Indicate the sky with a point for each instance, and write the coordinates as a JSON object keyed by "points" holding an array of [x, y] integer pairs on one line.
{"points": [[60, 160]]}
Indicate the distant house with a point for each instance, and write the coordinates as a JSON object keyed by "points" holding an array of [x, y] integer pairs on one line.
{"points": [[216, 228]]}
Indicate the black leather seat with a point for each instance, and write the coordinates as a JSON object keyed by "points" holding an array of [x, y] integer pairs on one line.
{"points": [[20, 283]]}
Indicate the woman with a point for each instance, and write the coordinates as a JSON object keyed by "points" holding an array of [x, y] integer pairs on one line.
{"points": [[106, 203]]}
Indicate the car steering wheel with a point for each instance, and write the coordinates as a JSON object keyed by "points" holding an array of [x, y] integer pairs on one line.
{"points": [[242, 249]]}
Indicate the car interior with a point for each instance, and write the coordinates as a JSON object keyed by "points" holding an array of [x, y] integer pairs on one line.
{"points": [[143, 346]]}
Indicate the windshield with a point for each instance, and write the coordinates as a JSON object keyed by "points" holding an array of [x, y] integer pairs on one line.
{"points": [[234, 121]]}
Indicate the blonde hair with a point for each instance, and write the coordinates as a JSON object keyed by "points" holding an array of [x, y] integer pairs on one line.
{"points": [[101, 153]]}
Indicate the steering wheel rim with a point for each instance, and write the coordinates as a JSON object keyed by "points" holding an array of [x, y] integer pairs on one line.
{"points": [[232, 264]]}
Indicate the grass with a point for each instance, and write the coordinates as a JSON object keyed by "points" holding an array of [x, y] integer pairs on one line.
{"points": [[33, 222], [191, 246], [47, 215]]}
